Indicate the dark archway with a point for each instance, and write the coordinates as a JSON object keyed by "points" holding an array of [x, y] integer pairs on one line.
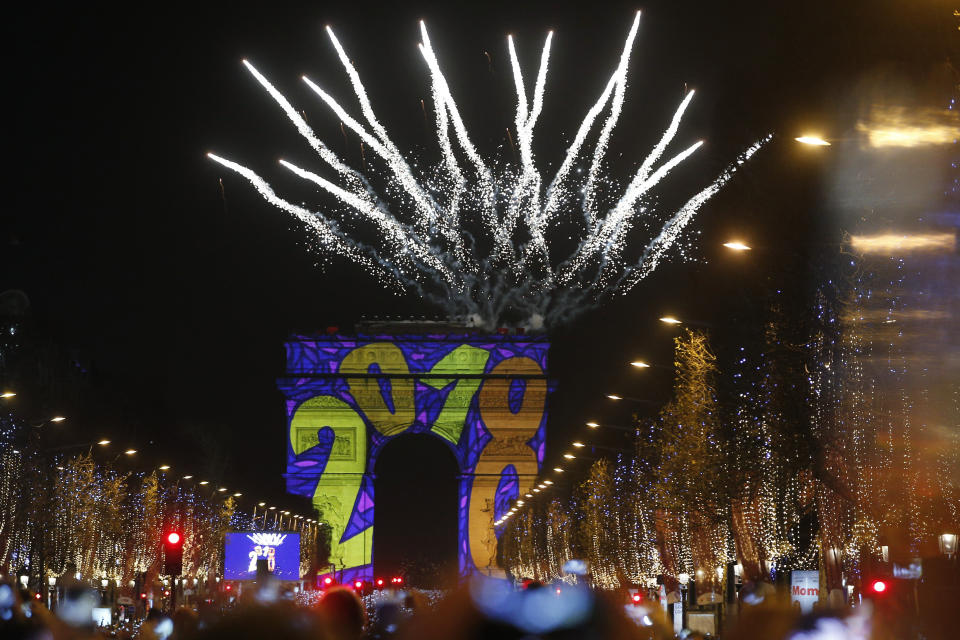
{"points": [[416, 493]]}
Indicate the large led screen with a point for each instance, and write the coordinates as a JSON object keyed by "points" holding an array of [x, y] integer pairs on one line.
{"points": [[281, 550]]}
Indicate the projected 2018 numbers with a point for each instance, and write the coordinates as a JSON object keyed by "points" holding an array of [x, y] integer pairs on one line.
{"points": [[462, 391]]}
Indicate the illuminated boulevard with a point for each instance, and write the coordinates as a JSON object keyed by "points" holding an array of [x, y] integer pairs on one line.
{"points": [[369, 321]]}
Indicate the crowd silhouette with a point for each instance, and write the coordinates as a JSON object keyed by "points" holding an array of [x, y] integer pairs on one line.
{"points": [[482, 608]]}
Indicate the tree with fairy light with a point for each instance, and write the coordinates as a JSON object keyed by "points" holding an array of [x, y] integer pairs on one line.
{"points": [[770, 444], [692, 491], [599, 524]]}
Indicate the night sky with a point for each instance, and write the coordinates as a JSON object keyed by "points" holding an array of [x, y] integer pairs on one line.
{"points": [[177, 301]]}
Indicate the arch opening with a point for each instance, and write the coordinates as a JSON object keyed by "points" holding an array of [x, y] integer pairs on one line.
{"points": [[415, 534]]}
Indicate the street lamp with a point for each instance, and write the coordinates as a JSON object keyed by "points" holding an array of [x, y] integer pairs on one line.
{"points": [[617, 398], [597, 425], [948, 544], [103, 442], [639, 364], [7, 394], [736, 245], [815, 141], [130, 452], [57, 419], [673, 320]]}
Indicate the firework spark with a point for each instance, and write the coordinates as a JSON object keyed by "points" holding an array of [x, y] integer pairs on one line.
{"points": [[472, 236]]}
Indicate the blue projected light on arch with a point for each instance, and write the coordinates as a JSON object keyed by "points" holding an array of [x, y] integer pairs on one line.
{"points": [[483, 396]]}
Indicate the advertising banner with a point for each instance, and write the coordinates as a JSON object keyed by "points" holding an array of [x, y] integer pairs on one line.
{"points": [[805, 589]]}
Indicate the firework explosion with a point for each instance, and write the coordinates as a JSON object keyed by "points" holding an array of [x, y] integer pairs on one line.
{"points": [[472, 237]]}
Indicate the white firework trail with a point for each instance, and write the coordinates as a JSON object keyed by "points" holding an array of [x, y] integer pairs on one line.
{"points": [[471, 235], [616, 107]]}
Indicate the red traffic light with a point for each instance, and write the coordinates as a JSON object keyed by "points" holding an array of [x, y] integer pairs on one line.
{"points": [[379, 582], [878, 586], [637, 598], [229, 587], [328, 580], [173, 537], [143, 596], [37, 596], [396, 580], [357, 585]]}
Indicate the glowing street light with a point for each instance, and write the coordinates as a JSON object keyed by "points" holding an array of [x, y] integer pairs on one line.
{"points": [[579, 444], [670, 320], [7, 394], [639, 364], [558, 469], [187, 477], [814, 141], [569, 456], [103, 442], [163, 467], [204, 482], [57, 419], [221, 489], [614, 396], [130, 452], [736, 245], [261, 504], [237, 495], [548, 482], [948, 544], [593, 425]]}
